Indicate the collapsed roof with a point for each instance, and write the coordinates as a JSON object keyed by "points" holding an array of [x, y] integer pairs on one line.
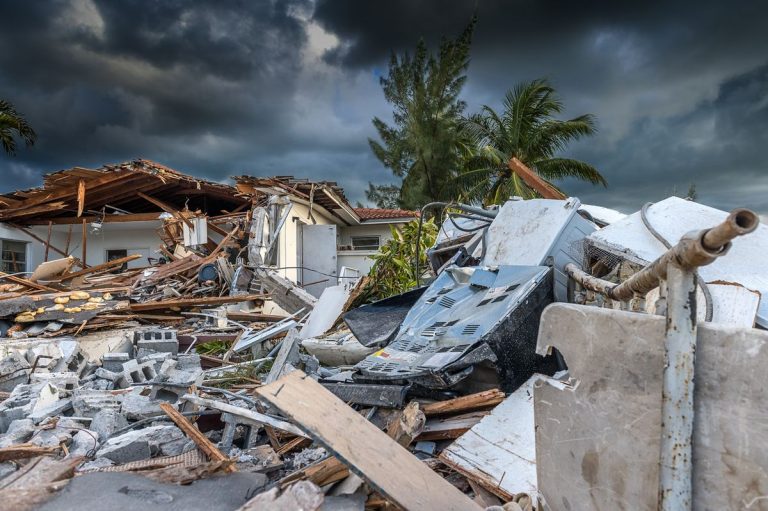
{"points": [[132, 191]]}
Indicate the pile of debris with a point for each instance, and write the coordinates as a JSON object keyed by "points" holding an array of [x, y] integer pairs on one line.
{"points": [[118, 385]]}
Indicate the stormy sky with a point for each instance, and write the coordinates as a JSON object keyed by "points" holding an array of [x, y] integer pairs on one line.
{"points": [[222, 88]]}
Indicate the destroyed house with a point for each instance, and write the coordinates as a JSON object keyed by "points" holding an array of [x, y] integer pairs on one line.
{"points": [[97, 215], [136, 208], [321, 233]]}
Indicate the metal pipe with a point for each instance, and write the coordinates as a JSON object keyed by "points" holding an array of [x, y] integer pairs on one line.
{"points": [[693, 250], [676, 464]]}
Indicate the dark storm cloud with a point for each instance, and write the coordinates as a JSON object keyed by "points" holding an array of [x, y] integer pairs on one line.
{"points": [[280, 87], [659, 76], [105, 81]]}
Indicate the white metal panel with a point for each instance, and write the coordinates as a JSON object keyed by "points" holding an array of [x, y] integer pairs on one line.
{"points": [[672, 218], [500, 450], [318, 244], [524, 231]]}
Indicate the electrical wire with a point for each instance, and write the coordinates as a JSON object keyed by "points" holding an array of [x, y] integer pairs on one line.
{"points": [[656, 234]]}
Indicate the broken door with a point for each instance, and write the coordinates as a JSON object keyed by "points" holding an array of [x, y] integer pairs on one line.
{"points": [[318, 258]]}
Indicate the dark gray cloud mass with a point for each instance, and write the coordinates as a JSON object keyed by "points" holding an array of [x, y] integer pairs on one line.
{"points": [[680, 89]]}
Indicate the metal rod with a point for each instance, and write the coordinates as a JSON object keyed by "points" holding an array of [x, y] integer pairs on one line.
{"points": [[676, 462], [693, 250]]}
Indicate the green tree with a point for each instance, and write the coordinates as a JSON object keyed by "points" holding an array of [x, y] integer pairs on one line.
{"points": [[384, 196], [13, 125], [422, 147], [527, 130], [392, 271]]}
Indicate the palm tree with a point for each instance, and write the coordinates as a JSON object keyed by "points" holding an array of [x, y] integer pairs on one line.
{"points": [[12, 125], [525, 130]]}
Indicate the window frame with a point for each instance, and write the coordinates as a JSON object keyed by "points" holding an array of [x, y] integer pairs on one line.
{"points": [[3, 261], [365, 248]]}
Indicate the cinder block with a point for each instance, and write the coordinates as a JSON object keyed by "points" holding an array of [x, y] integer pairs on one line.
{"points": [[159, 340]]}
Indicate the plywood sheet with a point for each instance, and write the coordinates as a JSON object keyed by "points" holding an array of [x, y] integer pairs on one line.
{"points": [[367, 450]]}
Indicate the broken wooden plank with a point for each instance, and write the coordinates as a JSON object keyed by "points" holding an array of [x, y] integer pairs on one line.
{"points": [[245, 413], [84, 241], [25, 282], [447, 428], [480, 401], [287, 356], [325, 471], [205, 445], [80, 197], [165, 207], [407, 425], [194, 302], [534, 181], [21, 451], [99, 267], [386, 465], [48, 241]]}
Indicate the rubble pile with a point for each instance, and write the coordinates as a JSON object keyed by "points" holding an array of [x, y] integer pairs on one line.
{"points": [[171, 386]]}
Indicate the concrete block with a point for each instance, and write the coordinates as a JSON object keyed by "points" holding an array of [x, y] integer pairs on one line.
{"points": [[19, 431], [51, 437], [139, 373], [51, 410], [83, 443], [106, 422], [14, 369], [136, 407], [114, 361], [63, 381], [158, 340], [87, 403], [130, 446], [156, 358]]}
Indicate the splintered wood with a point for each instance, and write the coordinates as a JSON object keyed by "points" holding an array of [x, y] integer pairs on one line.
{"points": [[368, 451], [205, 445]]}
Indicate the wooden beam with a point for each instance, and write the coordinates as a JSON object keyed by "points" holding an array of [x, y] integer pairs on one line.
{"points": [[85, 240], [215, 228], [65, 192], [388, 467], [479, 401], [48, 240], [25, 282], [69, 238], [99, 267], [107, 219], [533, 180], [194, 302], [205, 445], [80, 197], [165, 207]]}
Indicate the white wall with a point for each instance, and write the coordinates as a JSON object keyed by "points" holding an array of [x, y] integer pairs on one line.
{"points": [[131, 236], [35, 250], [288, 241], [360, 259]]}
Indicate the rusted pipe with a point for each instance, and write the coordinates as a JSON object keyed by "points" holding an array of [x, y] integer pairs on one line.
{"points": [[693, 250], [740, 222]]}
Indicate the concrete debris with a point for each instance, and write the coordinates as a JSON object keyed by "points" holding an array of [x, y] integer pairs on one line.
{"points": [[250, 383]]}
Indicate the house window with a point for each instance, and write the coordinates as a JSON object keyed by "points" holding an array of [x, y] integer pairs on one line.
{"points": [[14, 256], [113, 254], [365, 242]]}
